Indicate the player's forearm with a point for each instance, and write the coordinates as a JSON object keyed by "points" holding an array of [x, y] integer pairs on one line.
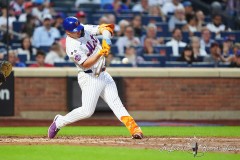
{"points": [[91, 61]]}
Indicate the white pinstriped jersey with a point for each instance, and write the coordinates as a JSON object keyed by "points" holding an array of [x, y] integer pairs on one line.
{"points": [[80, 49]]}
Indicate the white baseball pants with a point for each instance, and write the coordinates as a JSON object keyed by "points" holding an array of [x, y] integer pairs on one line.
{"points": [[93, 87]]}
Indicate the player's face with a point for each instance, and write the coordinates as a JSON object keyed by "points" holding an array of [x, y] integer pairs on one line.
{"points": [[74, 35]]}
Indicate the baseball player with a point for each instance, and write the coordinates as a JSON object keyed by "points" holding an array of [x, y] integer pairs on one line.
{"points": [[5, 71], [85, 50]]}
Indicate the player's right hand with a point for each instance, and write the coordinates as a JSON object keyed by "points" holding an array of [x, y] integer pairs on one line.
{"points": [[104, 52]]}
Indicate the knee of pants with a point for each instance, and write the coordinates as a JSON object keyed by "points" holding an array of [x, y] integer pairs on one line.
{"points": [[88, 113]]}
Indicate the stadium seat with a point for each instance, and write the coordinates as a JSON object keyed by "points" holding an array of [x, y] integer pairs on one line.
{"points": [[180, 50], [164, 50], [203, 64], [28, 63], [125, 16], [18, 26], [90, 6], [114, 50], [235, 35], [148, 19], [224, 64], [64, 64], [15, 45], [207, 19], [179, 25], [149, 64], [155, 58], [44, 48], [176, 64], [22, 57], [120, 65], [185, 37], [173, 58], [162, 27]]}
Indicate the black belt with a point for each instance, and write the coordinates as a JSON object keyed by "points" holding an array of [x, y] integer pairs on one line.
{"points": [[90, 71]]}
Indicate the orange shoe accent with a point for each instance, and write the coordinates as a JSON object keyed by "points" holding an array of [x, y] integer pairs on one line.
{"points": [[131, 125]]}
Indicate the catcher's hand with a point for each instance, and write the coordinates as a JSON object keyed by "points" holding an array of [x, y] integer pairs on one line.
{"points": [[5, 70]]}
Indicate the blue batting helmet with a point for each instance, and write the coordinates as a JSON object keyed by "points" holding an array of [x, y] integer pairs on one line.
{"points": [[72, 24]]}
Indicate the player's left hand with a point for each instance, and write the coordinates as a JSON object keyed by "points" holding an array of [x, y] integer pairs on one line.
{"points": [[109, 27]]}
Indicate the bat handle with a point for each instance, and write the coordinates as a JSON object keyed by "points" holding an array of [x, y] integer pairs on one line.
{"points": [[99, 67]]}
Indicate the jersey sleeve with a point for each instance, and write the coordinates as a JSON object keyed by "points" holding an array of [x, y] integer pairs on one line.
{"points": [[92, 29], [77, 54]]}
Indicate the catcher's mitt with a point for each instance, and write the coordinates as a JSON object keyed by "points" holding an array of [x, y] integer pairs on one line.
{"points": [[5, 70]]}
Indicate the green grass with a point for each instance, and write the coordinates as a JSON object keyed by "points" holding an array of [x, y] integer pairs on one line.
{"points": [[60, 152], [122, 131], [65, 152]]}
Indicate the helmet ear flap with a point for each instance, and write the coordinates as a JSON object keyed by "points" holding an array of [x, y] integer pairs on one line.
{"points": [[82, 32]]}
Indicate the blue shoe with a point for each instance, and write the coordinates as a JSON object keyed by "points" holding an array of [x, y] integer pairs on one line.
{"points": [[53, 130]]}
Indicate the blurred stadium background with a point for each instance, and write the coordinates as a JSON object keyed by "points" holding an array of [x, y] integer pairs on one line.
{"points": [[181, 58]]}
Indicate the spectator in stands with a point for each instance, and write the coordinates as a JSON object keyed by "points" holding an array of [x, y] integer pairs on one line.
{"points": [[236, 61], [103, 20], [152, 34], [112, 20], [116, 6], [29, 26], [127, 40], [197, 50], [157, 2], [14, 60], [39, 10], [45, 35], [216, 25], [56, 54], [187, 55], [137, 25], [27, 49], [191, 25], [18, 7], [157, 12], [200, 20], [122, 25], [132, 56], [3, 18], [188, 8], [141, 7], [227, 46], [176, 41], [206, 40], [170, 6], [27, 10], [81, 16], [40, 58], [148, 47], [58, 23], [215, 54], [235, 48], [177, 18], [79, 2]]}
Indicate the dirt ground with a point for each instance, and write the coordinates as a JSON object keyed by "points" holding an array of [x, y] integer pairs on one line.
{"points": [[168, 144]]}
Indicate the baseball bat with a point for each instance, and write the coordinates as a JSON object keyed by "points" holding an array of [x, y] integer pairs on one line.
{"points": [[99, 67], [106, 35]]}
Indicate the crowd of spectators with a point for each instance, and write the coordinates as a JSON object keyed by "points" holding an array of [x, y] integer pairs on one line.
{"points": [[167, 30]]}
